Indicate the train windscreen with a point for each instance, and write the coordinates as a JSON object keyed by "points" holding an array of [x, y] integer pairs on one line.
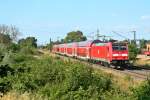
{"points": [[118, 46]]}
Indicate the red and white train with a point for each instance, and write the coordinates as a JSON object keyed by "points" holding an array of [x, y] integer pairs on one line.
{"points": [[107, 53]]}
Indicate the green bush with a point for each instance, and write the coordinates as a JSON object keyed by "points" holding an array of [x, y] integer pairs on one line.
{"points": [[79, 82], [79, 76], [3, 50], [56, 79], [14, 47], [20, 57], [33, 74], [5, 70], [133, 51], [7, 58], [5, 85], [142, 92], [27, 50]]}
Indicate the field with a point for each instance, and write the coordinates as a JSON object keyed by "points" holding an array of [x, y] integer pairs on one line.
{"points": [[143, 61]]}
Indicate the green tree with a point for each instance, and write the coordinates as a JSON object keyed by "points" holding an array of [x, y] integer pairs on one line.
{"points": [[143, 43], [28, 42], [133, 51], [49, 46], [10, 31], [5, 39], [75, 36]]}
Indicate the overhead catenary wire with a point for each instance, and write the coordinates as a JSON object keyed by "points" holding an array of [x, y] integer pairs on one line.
{"points": [[120, 35]]}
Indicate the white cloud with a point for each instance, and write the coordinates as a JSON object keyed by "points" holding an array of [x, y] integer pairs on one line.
{"points": [[145, 17]]}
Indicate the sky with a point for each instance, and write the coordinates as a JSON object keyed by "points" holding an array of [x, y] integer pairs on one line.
{"points": [[45, 19]]}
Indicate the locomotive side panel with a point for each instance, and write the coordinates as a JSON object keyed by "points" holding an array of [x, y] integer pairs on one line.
{"points": [[100, 53]]}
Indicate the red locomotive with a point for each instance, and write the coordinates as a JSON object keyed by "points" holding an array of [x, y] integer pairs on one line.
{"points": [[107, 53]]}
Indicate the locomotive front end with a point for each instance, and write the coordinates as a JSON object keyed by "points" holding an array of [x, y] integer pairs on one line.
{"points": [[120, 53]]}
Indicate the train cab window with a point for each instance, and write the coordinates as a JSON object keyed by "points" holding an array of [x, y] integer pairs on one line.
{"points": [[119, 47], [123, 48], [115, 47]]}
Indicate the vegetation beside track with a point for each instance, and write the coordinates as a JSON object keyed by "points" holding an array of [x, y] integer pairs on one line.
{"points": [[26, 76]]}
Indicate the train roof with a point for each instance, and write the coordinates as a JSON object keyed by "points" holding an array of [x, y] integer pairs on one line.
{"points": [[88, 43], [61, 45]]}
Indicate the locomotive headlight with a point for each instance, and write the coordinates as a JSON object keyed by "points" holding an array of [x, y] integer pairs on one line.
{"points": [[115, 54], [124, 54]]}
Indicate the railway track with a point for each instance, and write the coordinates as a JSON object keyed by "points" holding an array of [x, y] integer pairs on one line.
{"points": [[135, 74]]}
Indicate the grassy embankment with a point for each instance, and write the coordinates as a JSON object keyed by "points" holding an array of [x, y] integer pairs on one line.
{"points": [[143, 61]]}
